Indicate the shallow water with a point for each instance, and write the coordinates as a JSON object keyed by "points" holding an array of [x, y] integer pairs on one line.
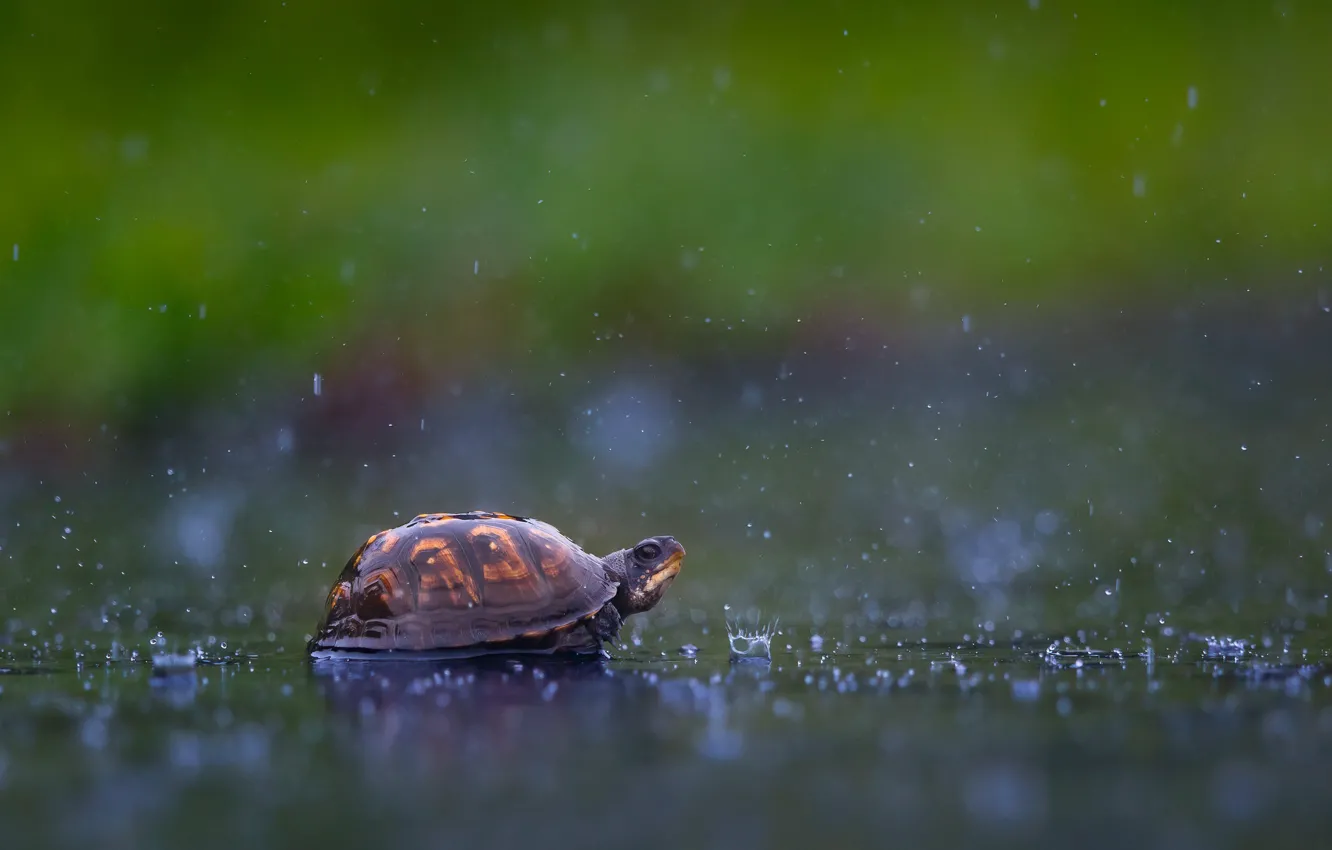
{"points": [[1195, 745], [926, 524]]}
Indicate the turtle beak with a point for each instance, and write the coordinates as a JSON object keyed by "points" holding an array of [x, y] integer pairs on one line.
{"points": [[667, 572]]}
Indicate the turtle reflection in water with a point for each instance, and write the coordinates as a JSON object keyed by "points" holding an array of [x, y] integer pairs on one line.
{"points": [[508, 711], [471, 584]]}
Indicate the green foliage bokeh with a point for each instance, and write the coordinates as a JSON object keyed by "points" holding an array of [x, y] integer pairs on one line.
{"points": [[200, 192]]}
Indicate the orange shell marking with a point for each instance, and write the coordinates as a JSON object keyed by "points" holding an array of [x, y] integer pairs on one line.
{"points": [[500, 555], [551, 552], [440, 570]]}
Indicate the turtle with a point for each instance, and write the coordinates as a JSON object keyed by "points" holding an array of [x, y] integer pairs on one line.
{"points": [[482, 583]]}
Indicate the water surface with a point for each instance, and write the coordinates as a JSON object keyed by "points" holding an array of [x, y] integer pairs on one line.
{"points": [[925, 523], [1198, 745]]}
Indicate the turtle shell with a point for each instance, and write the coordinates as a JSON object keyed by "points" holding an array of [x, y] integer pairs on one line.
{"points": [[472, 581]]}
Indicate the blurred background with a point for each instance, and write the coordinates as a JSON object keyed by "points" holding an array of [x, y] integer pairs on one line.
{"points": [[259, 191], [936, 331]]}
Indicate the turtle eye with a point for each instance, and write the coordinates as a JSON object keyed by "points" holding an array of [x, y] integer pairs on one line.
{"points": [[647, 552]]}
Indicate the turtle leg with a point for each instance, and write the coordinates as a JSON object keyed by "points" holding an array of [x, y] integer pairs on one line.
{"points": [[606, 625], [587, 638]]}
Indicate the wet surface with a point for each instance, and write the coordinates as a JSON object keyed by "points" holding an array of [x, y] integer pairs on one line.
{"points": [[1059, 590], [928, 744]]}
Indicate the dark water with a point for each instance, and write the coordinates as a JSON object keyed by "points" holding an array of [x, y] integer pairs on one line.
{"points": [[1200, 746], [925, 521]]}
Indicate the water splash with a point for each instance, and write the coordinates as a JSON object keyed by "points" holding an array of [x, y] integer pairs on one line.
{"points": [[747, 644]]}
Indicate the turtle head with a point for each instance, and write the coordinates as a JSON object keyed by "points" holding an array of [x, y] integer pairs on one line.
{"points": [[644, 573]]}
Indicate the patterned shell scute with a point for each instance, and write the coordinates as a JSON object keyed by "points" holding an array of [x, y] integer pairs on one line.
{"points": [[448, 581]]}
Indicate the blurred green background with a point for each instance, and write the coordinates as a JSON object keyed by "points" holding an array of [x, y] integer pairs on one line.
{"points": [[201, 194]]}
